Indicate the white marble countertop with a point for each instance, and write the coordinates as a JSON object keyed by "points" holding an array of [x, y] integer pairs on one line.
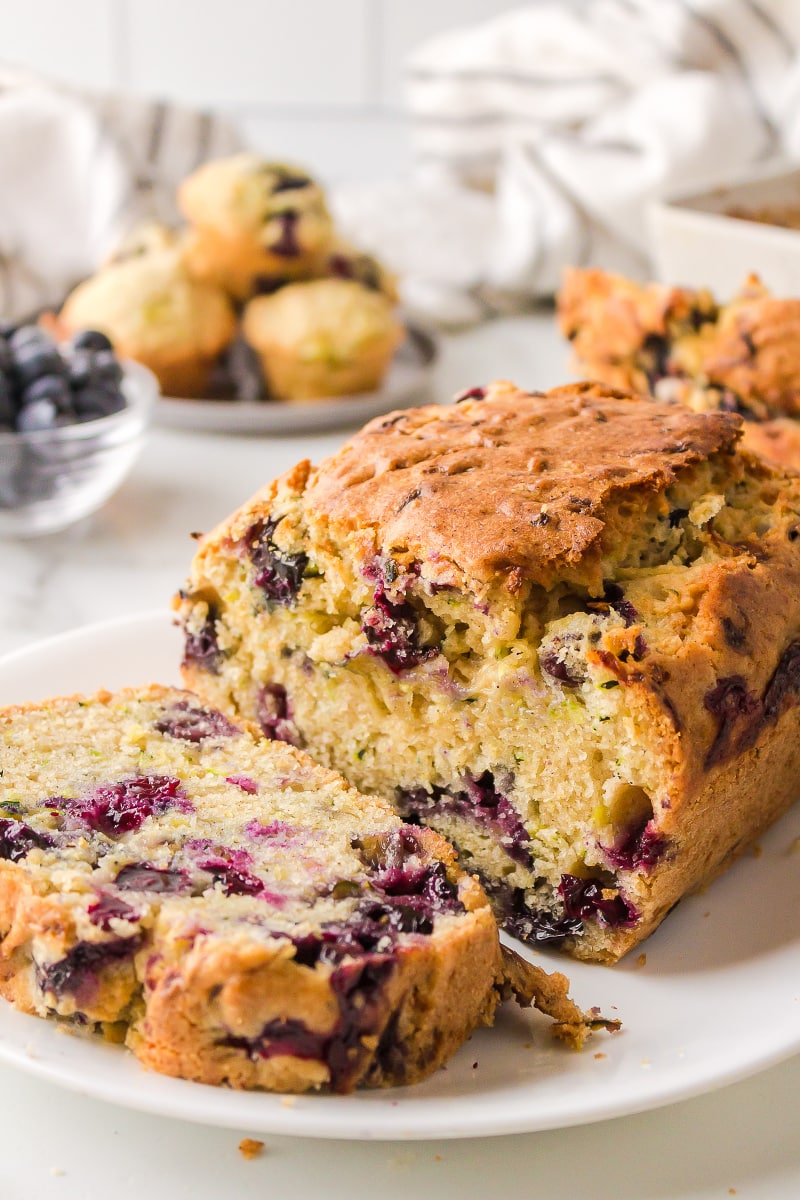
{"points": [[739, 1141]]}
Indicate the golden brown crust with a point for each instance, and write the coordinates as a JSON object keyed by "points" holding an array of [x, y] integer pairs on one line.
{"points": [[644, 336], [200, 1002], [497, 486]]}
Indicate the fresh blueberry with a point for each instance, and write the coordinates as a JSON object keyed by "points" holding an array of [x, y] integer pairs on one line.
{"points": [[33, 358], [41, 414], [8, 407], [80, 368], [49, 387], [93, 402], [91, 339], [5, 355], [106, 367], [25, 334]]}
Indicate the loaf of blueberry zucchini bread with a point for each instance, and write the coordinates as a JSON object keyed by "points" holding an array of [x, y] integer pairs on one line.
{"points": [[679, 343], [235, 913], [561, 629]]}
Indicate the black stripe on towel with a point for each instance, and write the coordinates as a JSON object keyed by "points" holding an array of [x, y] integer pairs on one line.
{"points": [[204, 122], [156, 137], [767, 19]]}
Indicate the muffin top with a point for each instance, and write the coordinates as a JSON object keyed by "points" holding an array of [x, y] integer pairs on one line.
{"points": [[147, 237], [324, 316], [148, 305], [247, 194], [539, 488]]}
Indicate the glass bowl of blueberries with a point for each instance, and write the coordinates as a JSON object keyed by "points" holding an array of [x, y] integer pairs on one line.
{"points": [[72, 421]]}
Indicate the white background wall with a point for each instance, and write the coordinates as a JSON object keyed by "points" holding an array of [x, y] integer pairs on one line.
{"points": [[316, 80]]}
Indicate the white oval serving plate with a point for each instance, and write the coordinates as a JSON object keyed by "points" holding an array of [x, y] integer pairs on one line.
{"points": [[714, 996]]}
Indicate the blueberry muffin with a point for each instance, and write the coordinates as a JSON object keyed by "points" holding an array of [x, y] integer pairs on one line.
{"points": [[155, 312], [326, 337], [147, 237], [681, 344], [235, 913], [561, 629], [254, 223]]}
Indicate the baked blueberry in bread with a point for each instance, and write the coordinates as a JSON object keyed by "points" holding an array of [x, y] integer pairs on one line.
{"points": [[561, 629], [681, 344], [236, 913]]}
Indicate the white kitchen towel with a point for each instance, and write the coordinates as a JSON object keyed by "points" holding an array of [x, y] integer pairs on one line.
{"points": [[541, 135], [77, 172]]}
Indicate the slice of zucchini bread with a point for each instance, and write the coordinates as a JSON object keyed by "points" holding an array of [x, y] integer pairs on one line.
{"points": [[234, 912], [680, 344], [561, 629]]}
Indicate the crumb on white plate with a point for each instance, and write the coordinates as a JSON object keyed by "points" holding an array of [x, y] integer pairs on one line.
{"points": [[250, 1148]]}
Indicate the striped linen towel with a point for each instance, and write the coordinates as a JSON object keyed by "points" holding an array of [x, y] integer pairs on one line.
{"points": [[540, 136], [78, 171]]}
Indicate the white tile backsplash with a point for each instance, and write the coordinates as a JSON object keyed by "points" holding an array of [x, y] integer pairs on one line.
{"points": [[71, 40], [315, 80], [339, 147], [241, 52]]}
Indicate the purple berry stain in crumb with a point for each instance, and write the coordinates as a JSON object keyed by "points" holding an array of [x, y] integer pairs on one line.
{"points": [[290, 1037], [107, 908], [640, 846], [741, 715], [357, 985], [278, 573], [524, 921], [614, 598], [201, 648], [556, 668], [784, 685], [287, 244], [392, 632], [475, 393], [17, 839], [190, 723], [274, 714], [226, 866], [480, 801], [77, 972], [592, 900], [278, 833], [244, 782], [288, 182], [408, 889], [117, 808], [734, 705], [142, 877]]}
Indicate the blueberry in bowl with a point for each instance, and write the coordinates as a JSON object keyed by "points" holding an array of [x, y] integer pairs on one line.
{"points": [[72, 421]]}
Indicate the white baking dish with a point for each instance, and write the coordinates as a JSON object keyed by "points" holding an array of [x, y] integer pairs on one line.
{"points": [[698, 244]]}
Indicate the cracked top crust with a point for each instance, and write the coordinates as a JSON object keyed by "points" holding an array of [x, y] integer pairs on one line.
{"points": [[517, 485]]}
